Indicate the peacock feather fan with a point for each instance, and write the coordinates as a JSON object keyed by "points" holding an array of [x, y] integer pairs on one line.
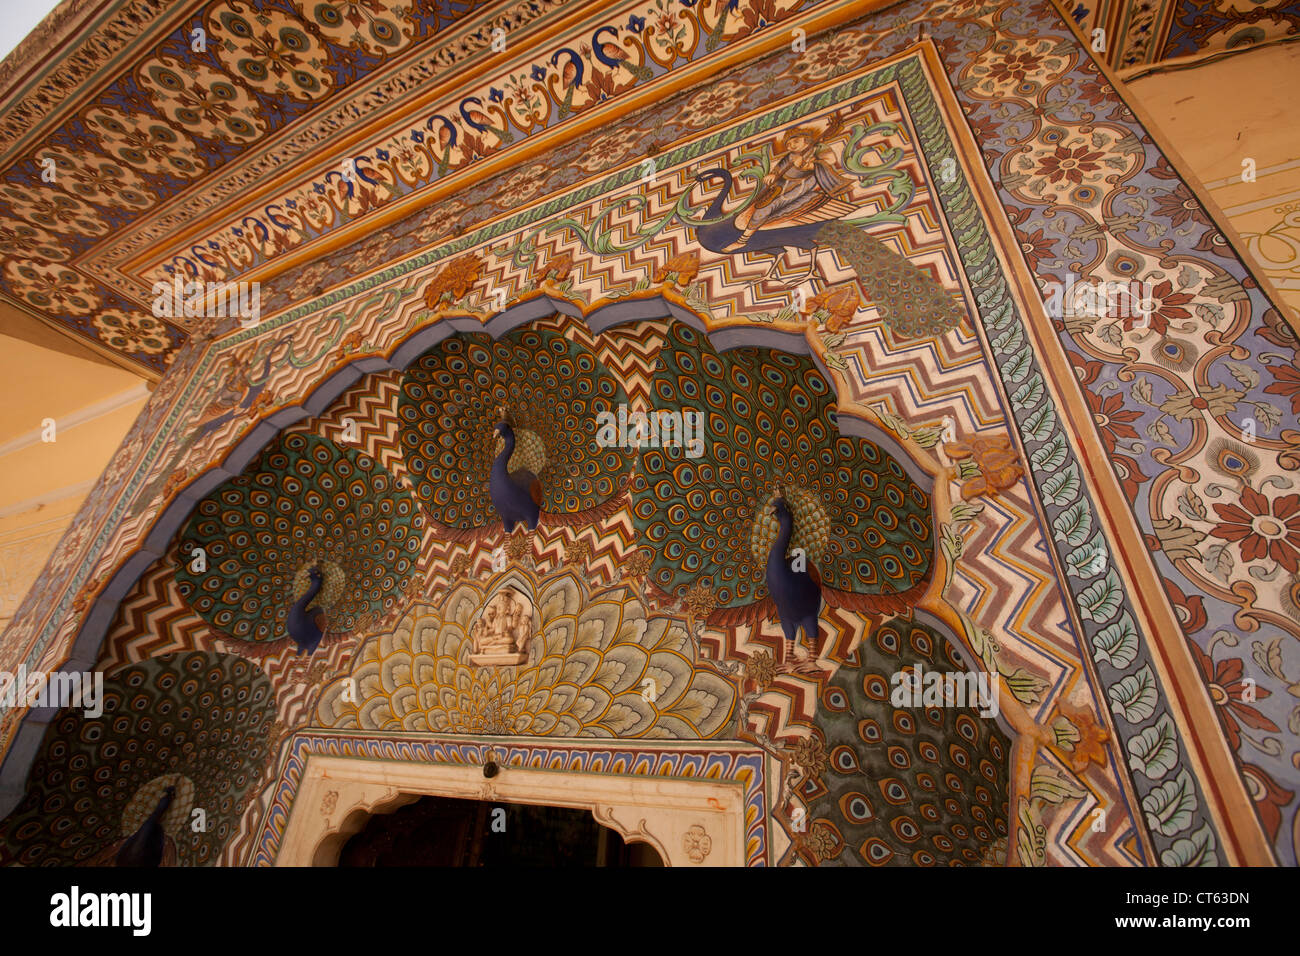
{"points": [[769, 430], [305, 503], [198, 721], [910, 785], [550, 390]]}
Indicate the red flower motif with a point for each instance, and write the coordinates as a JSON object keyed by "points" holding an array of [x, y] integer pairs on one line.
{"points": [[1286, 382], [1165, 303], [1180, 205], [1015, 66], [1094, 92], [1262, 528], [1112, 418], [984, 128], [1070, 164], [1227, 690], [1036, 246]]}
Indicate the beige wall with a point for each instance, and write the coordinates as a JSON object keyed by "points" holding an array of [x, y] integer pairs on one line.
{"points": [[1222, 112], [42, 484]]}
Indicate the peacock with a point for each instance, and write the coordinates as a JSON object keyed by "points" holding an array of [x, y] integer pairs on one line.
{"points": [[311, 542], [910, 301], [910, 785], [305, 626], [516, 495], [795, 590], [199, 722], [775, 482], [499, 434], [145, 846]]}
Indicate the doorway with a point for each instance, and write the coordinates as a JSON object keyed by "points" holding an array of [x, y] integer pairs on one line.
{"points": [[444, 831]]}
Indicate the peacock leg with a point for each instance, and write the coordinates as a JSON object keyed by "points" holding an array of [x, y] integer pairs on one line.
{"points": [[807, 273]]}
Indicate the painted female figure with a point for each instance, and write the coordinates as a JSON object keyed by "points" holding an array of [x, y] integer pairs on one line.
{"points": [[802, 187]]}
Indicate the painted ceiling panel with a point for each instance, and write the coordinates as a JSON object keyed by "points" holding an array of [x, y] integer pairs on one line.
{"points": [[225, 141]]}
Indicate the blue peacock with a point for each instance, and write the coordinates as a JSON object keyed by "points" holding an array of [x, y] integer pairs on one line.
{"points": [[780, 514], [502, 434], [310, 542]]}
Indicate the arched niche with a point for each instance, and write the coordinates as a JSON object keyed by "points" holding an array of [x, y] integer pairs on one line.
{"points": [[640, 307]]}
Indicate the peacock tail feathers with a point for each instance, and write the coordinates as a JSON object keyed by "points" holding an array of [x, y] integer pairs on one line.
{"points": [[552, 389], [196, 720], [305, 503], [811, 532], [910, 301], [909, 785], [598, 666], [769, 424], [529, 454]]}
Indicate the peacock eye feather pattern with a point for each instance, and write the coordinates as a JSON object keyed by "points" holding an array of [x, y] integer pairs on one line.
{"points": [[470, 396], [770, 432], [903, 785], [312, 538], [197, 723]]}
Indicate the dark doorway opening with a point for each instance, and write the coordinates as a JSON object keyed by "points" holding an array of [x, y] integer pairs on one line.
{"points": [[441, 831]]}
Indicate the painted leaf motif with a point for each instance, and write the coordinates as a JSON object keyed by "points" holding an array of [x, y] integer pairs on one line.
{"points": [[1218, 561], [1269, 415], [1159, 431], [1062, 487], [1244, 374], [1269, 656], [1209, 312], [1117, 644], [1199, 849], [1014, 370], [1030, 847], [1177, 540], [1170, 806], [1025, 687], [1073, 524], [1065, 733], [1101, 599], [1154, 752], [1049, 784], [1088, 560], [1191, 505], [1010, 340], [1029, 394], [1040, 424], [1051, 456], [1135, 697]]}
